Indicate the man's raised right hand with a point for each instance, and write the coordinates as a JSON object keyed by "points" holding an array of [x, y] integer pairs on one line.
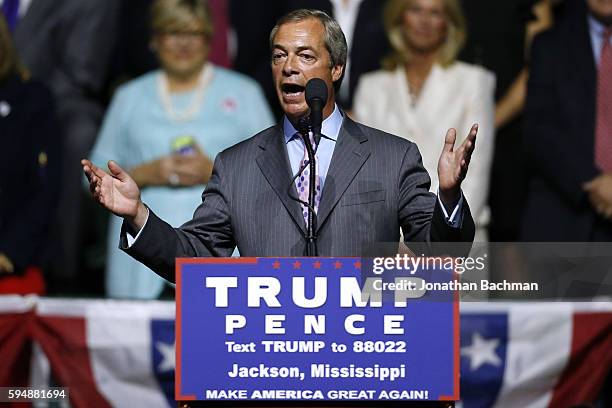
{"points": [[117, 192]]}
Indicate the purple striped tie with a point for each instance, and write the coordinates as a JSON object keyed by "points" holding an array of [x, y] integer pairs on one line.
{"points": [[303, 182]]}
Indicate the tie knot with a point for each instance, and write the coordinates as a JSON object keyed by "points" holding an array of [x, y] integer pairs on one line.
{"points": [[606, 34], [305, 135]]}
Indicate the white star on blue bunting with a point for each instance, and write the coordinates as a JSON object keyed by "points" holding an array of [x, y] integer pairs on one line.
{"points": [[481, 351], [168, 356]]}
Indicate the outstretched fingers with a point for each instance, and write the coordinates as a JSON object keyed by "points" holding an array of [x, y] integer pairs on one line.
{"points": [[96, 170], [117, 171], [470, 141], [449, 140], [469, 144], [473, 133], [87, 169], [95, 176], [93, 183]]}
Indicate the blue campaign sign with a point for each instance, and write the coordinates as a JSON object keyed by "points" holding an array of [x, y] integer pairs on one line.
{"points": [[312, 329]]}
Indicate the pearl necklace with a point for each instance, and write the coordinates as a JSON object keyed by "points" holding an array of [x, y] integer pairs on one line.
{"points": [[194, 106]]}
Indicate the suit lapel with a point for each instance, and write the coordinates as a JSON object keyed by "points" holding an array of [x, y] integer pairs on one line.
{"points": [[350, 153], [274, 164]]}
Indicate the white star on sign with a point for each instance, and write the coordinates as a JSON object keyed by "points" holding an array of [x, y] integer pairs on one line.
{"points": [[168, 356], [481, 351]]}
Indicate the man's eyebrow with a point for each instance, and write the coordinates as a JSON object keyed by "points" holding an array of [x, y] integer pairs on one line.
{"points": [[305, 48], [298, 49]]}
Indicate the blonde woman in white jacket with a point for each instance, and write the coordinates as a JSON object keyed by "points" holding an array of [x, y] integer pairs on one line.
{"points": [[424, 91]]}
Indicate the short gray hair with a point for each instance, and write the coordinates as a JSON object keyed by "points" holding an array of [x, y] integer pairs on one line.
{"points": [[335, 41]]}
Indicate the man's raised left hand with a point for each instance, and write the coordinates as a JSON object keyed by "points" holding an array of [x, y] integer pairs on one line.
{"points": [[453, 165]]}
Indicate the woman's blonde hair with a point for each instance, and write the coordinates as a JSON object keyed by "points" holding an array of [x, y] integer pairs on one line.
{"points": [[455, 36], [175, 14], [9, 61]]}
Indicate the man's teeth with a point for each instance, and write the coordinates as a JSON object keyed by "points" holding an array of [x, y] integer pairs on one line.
{"points": [[293, 93]]}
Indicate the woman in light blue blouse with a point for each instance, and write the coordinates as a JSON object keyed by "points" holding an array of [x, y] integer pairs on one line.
{"points": [[168, 125]]}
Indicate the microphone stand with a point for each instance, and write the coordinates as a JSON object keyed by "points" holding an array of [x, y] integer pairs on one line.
{"points": [[311, 225]]}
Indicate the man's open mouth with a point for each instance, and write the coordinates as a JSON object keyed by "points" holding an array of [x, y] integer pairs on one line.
{"points": [[292, 89]]}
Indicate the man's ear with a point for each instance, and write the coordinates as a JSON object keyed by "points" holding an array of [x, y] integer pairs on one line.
{"points": [[337, 71]]}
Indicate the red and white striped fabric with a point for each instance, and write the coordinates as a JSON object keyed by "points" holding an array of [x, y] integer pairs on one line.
{"points": [[104, 351], [16, 319], [121, 353], [534, 355]]}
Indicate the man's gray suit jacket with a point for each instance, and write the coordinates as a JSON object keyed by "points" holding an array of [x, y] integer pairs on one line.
{"points": [[376, 184]]}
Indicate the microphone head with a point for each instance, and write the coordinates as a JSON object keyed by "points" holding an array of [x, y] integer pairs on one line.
{"points": [[316, 89]]}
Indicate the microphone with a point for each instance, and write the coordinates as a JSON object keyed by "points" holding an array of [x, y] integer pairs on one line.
{"points": [[316, 98]]}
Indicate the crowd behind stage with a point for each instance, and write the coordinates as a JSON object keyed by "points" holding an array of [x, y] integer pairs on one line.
{"points": [[162, 86]]}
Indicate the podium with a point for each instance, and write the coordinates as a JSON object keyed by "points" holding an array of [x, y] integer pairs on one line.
{"points": [[313, 332]]}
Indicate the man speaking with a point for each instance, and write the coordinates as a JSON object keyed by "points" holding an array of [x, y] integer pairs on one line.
{"points": [[367, 184]]}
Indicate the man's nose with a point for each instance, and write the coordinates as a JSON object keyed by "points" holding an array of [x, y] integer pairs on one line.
{"points": [[290, 66]]}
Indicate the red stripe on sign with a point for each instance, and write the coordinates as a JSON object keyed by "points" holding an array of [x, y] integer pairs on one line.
{"points": [[178, 334], [456, 346], [589, 363], [63, 340], [216, 261]]}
